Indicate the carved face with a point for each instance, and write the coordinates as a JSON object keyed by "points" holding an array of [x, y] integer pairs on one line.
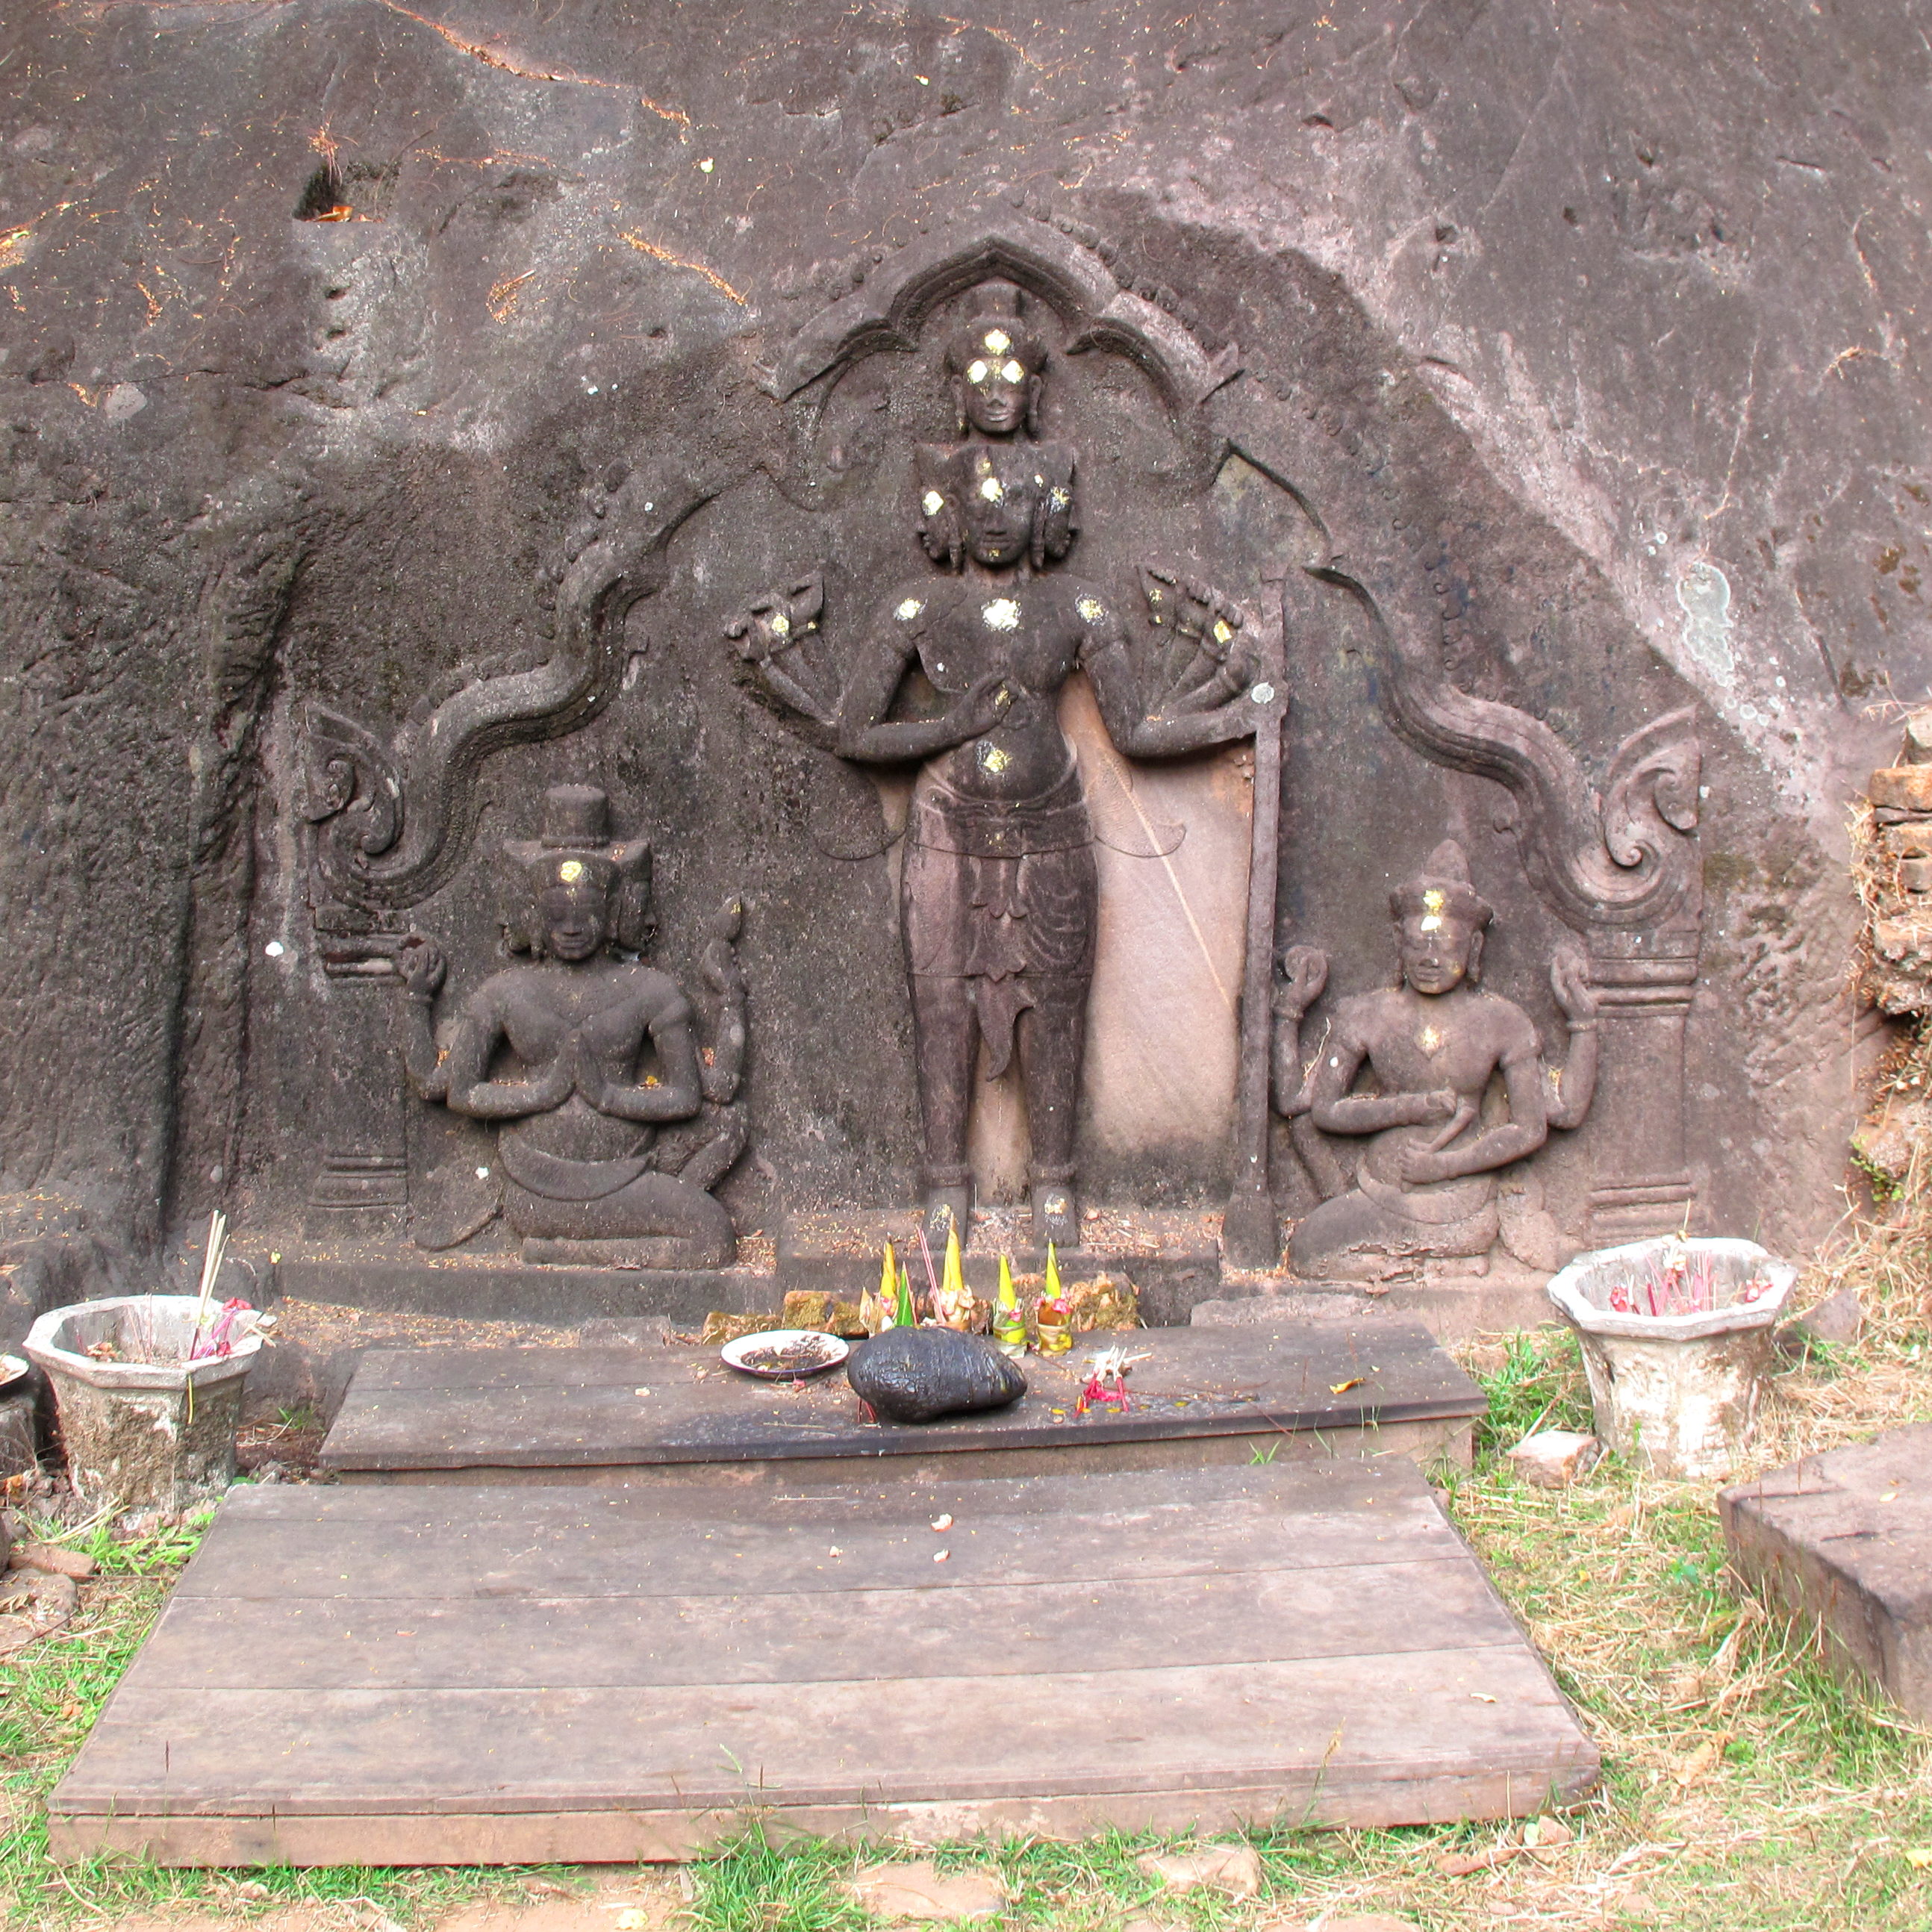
{"points": [[1439, 949], [997, 512], [994, 391], [575, 917]]}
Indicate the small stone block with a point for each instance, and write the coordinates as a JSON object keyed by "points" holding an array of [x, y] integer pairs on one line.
{"points": [[1553, 1458], [1911, 839], [1838, 1318], [915, 1891], [1235, 1870], [1914, 875], [1904, 787], [1845, 1539], [52, 1559]]}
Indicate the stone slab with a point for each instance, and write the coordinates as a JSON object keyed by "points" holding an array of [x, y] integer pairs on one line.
{"points": [[596, 1414], [1844, 1539], [501, 1287], [507, 1676]]}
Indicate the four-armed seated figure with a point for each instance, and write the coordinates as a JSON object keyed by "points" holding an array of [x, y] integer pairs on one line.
{"points": [[998, 892], [590, 1176], [1426, 1183]]}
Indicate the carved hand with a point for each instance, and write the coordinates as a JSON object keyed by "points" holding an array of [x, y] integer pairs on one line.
{"points": [[775, 623], [1443, 1104], [1417, 1166], [1301, 972], [982, 707], [1569, 980], [421, 967]]}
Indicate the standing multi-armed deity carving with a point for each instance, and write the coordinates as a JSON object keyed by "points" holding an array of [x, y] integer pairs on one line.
{"points": [[1462, 1086], [999, 888], [615, 1124]]}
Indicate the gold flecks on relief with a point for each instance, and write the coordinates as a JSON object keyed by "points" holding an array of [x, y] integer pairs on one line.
{"points": [[1222, 633], [1091, 608], [991, 490], [1432, 922], [932, 502], [1001, 614], [997, 341], [1014, 372], [993, 759], [982, 463], [571, 871], [1434, 899], [1430, 1040], [781, 625], [1059, 498], [909, 609], [976, 372]]}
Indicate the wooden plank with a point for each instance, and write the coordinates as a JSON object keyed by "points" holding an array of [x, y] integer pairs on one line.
{"points": [[1449, 1442], [440, 1675], [371, 1542], [853, 1636], [592, 1408], [1207, 1727], [643, 1834]]}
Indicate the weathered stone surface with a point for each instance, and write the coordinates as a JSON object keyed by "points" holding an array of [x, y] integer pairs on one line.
{"points": [[1235, 1870], [919, 1375], [1838, 1318], [1845, 1538], [260, 460], [914, 1891], [1553, 1458]]}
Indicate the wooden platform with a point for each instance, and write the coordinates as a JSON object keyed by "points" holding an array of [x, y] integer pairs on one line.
{"points": [[426, 1675], [631, 1414]]}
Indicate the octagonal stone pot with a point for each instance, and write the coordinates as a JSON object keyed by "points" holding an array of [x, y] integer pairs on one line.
{"points": [[141, 1434], [1677, 1393]]}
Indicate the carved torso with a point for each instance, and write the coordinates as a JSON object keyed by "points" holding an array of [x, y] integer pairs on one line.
{"points": [[608, 1011], [1458, 1042], [1030, 629]]}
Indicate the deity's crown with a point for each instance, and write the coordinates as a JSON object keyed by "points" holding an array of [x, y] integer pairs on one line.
{"points": [[994, 335], [575, 843], [1442, 889]]}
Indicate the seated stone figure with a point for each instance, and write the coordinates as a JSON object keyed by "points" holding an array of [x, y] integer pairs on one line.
{"points": [[614, 1127], [1438, 1046]]}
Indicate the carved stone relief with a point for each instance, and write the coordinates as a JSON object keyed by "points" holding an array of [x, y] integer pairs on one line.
{"points": [[998, 884], [614, 1123]]}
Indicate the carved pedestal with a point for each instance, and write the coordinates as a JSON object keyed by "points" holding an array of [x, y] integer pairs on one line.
{"points": [[1644, 982]]}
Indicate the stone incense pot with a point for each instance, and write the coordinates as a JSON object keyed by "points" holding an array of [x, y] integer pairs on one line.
{"points": [[1677, 1338]]}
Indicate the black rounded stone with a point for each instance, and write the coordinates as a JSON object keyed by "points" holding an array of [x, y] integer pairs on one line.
{"points": [[919, 1375]]}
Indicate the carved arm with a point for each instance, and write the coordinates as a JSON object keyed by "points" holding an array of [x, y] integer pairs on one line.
{"points": [[1301, 973], [1573, 1085], [1525, 1130], [420, 970], [472, 1091], [1139, 733], [723, 1066], [863, 733], [679, 1090]]}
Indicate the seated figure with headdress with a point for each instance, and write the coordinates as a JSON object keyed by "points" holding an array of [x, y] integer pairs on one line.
{"points": [[1462, 1087], [614, 1126]]}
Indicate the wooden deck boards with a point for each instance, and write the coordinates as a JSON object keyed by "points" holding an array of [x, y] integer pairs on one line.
{"points": [[1204, 1395], [431, 1675]]}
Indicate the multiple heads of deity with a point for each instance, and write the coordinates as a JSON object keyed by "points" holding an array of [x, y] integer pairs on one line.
{"points": [[582, 891], [997, 367], [994, 498], [1440, 922]]}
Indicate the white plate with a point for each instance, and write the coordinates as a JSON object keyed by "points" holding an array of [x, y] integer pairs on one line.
{"points": [[832, 1351], [12, 1368]]}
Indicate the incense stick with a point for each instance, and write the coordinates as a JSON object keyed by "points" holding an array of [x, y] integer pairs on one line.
{"points": [[211, 1267]]}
